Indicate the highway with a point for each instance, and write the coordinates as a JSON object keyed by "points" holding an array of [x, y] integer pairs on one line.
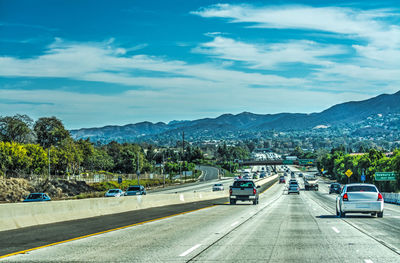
{"points": [[282, 228], [207, 180]]}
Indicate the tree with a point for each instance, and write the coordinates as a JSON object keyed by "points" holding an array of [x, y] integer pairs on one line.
{"points": [[50, 131], [38, 159], [13, 158], [87, 149], [16, 128]]}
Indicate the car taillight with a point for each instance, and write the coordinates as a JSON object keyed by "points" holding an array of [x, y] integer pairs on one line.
{"points": [[345, 197], [230, 191], [380, 198], [254, 191]]}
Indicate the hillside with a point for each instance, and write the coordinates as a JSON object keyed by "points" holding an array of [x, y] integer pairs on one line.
{"points": [[233, 126]]}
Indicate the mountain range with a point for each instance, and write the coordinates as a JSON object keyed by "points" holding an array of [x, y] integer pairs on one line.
{"points": [[231, 126]]}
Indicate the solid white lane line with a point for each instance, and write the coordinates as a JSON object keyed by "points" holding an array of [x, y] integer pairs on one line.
{"points": [[368, 261], [335, 229], [234, 224], [190, 250]]}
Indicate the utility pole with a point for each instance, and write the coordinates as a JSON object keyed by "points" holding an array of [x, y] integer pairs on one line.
{"points": [[162, 170], [138, 170], [49, 163], [183, 150]]}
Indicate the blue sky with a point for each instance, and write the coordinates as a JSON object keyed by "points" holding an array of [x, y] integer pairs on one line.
{"points": [[96, 63]]}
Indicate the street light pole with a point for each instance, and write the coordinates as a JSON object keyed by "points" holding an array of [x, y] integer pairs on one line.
{"points": [[49, 164], [138, 170], [162, 170]]}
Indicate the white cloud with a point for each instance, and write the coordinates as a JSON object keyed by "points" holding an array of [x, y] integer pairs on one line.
{"points": [[100, 62], [350, 22], [372, 43], [270, 56]]}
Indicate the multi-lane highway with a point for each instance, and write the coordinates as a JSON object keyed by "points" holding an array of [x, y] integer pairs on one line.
{"points": [[210, 176], [282, 228]]}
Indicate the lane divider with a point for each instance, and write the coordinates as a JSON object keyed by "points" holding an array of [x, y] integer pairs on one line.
{"points": [[234, 224], [190, 250]]}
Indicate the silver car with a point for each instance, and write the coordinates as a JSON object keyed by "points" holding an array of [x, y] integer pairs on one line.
{"points": [[359, 198], [114, 193], [218, 187], [294, 188]]}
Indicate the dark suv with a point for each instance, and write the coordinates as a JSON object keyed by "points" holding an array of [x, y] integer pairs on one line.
{"points": [[335, 188]]}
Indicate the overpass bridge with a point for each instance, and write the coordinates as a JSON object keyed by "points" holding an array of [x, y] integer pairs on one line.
{"points": [[305, 162]]}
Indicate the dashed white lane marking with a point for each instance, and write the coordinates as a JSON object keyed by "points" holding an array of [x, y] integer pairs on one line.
{"points": [[190, 250], [368, 261], [335, 229], [234, 224]]}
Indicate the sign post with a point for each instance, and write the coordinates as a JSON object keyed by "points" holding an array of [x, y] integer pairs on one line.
{"points": [[385, 176], [363, 176], [348, 173]]}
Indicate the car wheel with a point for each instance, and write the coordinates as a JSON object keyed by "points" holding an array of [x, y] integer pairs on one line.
{"points": [[232, 202], [380, 214], [373, 214], [342, 214], [337, 212], [254, 202]]}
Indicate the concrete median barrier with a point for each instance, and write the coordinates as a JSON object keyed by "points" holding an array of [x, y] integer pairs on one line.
{"points": [[18, 215], [392, 198]]}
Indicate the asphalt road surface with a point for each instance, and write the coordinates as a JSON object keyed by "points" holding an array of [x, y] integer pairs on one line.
{"points": [[282, 228], [209, 177]]}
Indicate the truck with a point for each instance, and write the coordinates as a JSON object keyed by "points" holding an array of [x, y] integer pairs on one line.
{"points": [[310, 182], [243, 190]]}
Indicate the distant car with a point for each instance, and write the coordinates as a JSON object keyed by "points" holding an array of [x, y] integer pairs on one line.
{"points": [[263, 175], [114, 193], [293, 181], [359, 198], [282, 180], [294, 188], [334, 188], [218, 187], [300, 174], [135, 190], [37, 197]]}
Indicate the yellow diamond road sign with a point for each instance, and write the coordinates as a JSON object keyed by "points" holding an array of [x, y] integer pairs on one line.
{"points": [[348, 173]]}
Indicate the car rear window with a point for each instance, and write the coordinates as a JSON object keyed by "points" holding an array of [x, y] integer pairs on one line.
{"points": [[361, 188], [113, 191], [134, 188], [243, 184]]}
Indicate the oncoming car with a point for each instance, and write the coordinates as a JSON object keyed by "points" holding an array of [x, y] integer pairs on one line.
{"points": [[218, 187], [114, 193], [135, 190], [359, 198], [37, 197]]}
